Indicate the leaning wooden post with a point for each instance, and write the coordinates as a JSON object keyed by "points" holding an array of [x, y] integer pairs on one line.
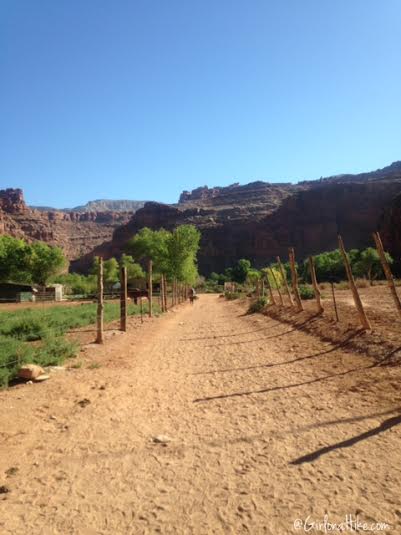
{"points": [[284, 276], [357, 300], [165, 293], [334, 301], [387, 271], [315, 285], [123, 299], [294, 278], [150, 287], [161, 292], [100, 303], [273, 300], [277, 287], [141, 307]]}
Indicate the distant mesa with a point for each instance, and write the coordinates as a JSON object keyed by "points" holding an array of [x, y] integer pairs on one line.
{"points": [[99, 205]]}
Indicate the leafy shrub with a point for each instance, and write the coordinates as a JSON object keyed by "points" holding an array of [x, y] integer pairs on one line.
{"points": [[258, 305], [306, 292]]}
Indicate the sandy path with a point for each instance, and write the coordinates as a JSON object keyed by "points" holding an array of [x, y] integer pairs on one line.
{"points": [[256, 413]]}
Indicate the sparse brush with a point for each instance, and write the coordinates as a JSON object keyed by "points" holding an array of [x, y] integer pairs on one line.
{"points": [[362, 283], [258, 305], [231, 295], [306, 291]]}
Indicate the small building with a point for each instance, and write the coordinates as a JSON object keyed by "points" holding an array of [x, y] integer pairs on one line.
{"points": [[11, 292], [53, 292]]}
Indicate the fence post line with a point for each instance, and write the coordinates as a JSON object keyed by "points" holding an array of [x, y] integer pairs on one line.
{"points": [[334, 300], [294, 278], [100, 303], [277, 286], [284, 275], [123, 299], [315, 284], [150, 287], [387, 271], [357, 300]]}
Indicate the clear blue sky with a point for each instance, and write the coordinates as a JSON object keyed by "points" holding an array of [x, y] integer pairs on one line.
{"points": [[141, 99]]}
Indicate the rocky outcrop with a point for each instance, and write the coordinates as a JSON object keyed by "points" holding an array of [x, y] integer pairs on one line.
{"points": [[77, 233]]}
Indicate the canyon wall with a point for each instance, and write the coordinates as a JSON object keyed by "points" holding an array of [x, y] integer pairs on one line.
{"points": [[257, 221], [77, 233]]}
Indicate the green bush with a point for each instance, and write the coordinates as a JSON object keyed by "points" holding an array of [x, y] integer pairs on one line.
{"points": [[258, 305], [306, 292], [54, 351], [28, 329]]}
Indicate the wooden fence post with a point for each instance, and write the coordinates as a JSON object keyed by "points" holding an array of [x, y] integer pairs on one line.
{"points": [[294, 278], [161, 293], [284, 276], [123, 299], [141, 307], [165, 292], [387, 271], [100, 303], [315, 284], [357, 300], [334, 300], [277, 287], [150, 287], [273, 300]]}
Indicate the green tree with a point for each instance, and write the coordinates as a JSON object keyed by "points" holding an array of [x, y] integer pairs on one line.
{"points": [[240, 270], [172, 253], [14, 260], [368, 264], [134, 270], [151, 244], [182, 248], [45, 261]]}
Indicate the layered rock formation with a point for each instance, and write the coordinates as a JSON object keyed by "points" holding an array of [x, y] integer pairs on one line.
{"points": [[77, 233], [257, 221], [261, 220]]}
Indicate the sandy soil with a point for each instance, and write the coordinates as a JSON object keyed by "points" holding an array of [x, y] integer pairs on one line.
{"points": [[266, 423]]}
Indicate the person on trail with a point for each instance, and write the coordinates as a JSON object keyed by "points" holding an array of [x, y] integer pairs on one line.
{"points": [[192, 295]]}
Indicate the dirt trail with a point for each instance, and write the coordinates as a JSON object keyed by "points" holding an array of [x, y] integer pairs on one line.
{"points": [[267, 425]]}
